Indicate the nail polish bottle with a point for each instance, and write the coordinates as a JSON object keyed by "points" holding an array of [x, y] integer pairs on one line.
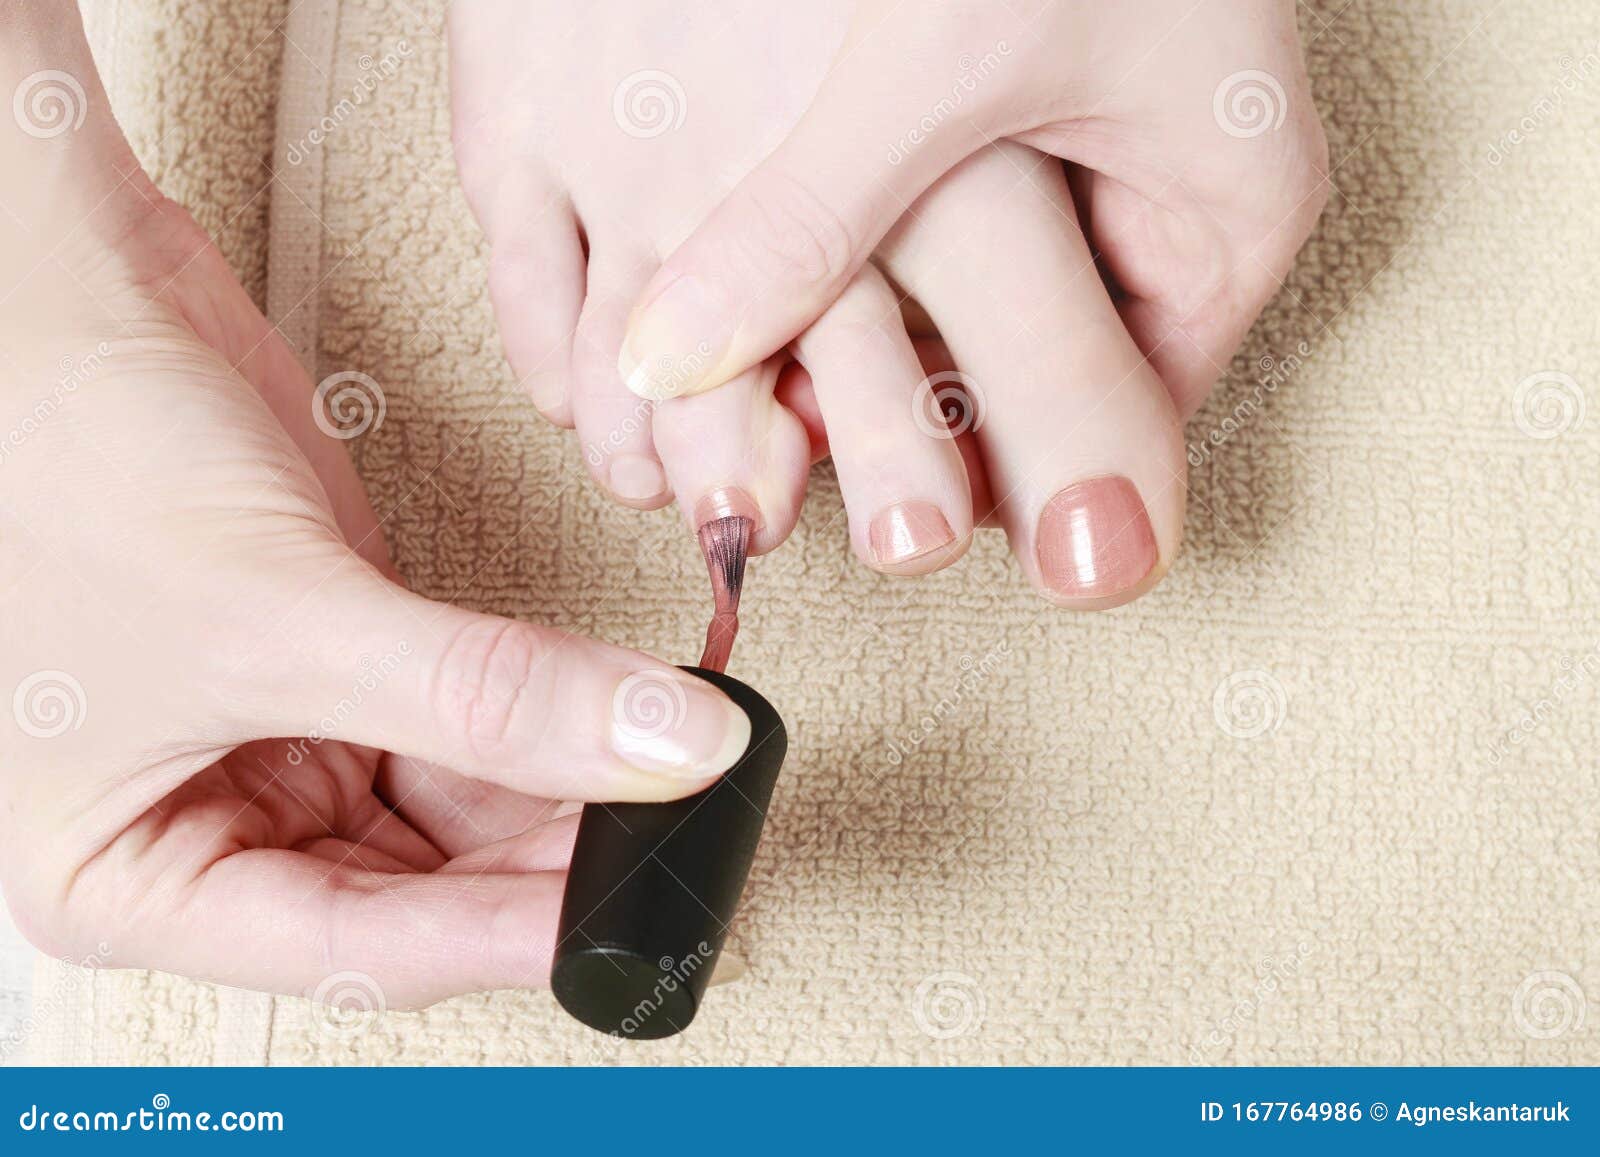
{"points": [[653, 887]]}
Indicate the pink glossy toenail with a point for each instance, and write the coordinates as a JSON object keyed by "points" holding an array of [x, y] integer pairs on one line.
{"points": [[727, 502], [1095, 539], [906, 532]]}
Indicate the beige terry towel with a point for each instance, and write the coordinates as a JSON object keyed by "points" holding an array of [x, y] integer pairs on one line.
{"points": [[1328, 795]]}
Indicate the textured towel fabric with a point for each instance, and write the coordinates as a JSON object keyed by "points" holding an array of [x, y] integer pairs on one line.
{"points": [[1328, 795]]}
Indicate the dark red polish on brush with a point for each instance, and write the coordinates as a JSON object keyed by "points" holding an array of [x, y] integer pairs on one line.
{"points": [[725, 542]]}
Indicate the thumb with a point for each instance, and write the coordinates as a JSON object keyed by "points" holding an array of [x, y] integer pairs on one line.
{"points": [[535, 709], [888, 121]]}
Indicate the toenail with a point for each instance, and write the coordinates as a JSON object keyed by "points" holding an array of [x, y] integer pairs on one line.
{"points": [[727, 502], [1095, 539], [636, 478], [906, 532]]}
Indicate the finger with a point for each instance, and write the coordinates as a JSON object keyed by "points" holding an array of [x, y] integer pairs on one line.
{"points": [[543, 847], [788, 239], [456, 813], [1079, 435], [534, 709], [398, 940], [613, 424], [738, 451], [901, 475]]}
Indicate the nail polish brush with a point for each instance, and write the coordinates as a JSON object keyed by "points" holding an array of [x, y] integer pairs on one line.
{"points": [[653, 887]]}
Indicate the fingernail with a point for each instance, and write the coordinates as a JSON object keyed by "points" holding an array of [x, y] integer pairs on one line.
{"points": [[906, 532], [1095, 539], [675, 339], [674, 724], [727, 502], [636, 478]]}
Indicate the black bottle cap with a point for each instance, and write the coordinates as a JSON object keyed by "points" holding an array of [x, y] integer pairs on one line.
{"points": [[653, 888]]}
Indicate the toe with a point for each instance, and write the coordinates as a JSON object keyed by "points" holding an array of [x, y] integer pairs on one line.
{"points": [[614, 425], [1082, 445], [736, 451], [904, 484]]}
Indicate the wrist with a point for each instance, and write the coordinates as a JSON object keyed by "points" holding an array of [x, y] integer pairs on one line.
{"points": [[66, 170]]}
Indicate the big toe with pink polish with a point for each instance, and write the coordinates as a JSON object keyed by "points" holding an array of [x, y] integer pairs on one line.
{"points": [[1095, 539]]}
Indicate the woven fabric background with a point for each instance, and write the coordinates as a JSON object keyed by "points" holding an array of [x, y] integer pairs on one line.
{"points": [[1273, 813]]}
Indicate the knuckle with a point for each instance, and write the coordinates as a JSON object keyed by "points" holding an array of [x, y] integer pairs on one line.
{"points": [[795, 233], [490, 684]]}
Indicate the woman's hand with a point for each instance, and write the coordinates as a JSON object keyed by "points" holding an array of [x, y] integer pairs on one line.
{"points": [[238, 749], [1200, 170]]}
